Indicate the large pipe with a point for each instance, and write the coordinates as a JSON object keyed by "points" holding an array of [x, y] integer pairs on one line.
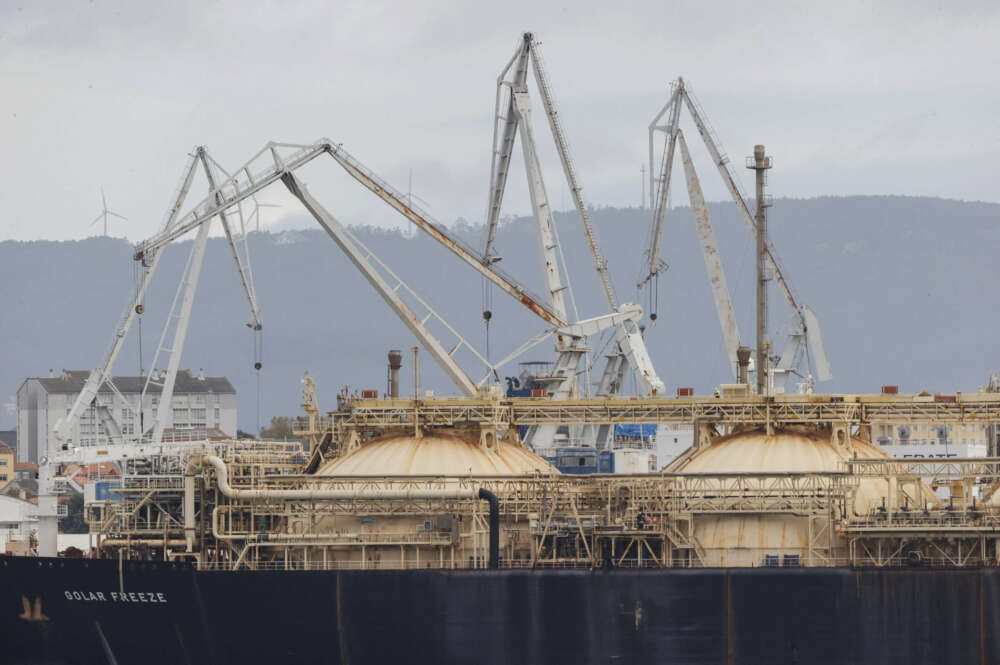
{"points": [[395, 362], [487, 495], [222, 479], [416, 371], [189, 527], [153, 542]]}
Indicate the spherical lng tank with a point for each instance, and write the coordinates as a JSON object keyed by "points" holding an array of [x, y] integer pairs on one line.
{"points": [[436, 454], [409, 538], [746, 539]]}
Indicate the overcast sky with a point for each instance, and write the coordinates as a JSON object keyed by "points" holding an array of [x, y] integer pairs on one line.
{"points": [[849, 97]]}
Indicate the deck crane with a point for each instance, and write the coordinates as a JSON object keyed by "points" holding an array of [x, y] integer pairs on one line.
{"points": [[805, 343], [513, 118]]}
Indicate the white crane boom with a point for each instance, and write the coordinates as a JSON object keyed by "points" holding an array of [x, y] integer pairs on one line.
{"points": [[246, 280], [503, 144], [245, 182], [659, 197], [627, 335], [807, 329], [710, 252], [540, 205], [398, 202], [238, 187], [188, 287], [343, 239], [65, 425], [566, 159], [721, 162]]}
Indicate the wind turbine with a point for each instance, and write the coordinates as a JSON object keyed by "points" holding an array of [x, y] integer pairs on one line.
{"points": [[105, 213], [409, 202], [256, 211]]}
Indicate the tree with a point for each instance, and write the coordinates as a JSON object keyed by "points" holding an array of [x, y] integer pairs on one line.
{"points": [[240, 434], [280, 429], [73, 522]]}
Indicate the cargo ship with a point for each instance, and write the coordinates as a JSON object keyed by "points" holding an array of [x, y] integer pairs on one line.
{"points": [[409, 533], [101, 611]]}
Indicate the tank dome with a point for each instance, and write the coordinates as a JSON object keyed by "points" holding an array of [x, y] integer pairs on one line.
{"points": [[744, 539], [792, 450], [435, 454]]}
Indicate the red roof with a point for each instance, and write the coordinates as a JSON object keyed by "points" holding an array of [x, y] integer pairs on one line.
{"points": [[25, 466], [79, 474]]}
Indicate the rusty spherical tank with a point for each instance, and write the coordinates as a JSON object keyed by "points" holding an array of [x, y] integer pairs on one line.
{"points": [[436, 454], [745, 539]]}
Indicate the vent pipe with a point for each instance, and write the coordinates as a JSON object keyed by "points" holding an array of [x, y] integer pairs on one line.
{"points": [[743, 365], [395, 363], [760, 163]]}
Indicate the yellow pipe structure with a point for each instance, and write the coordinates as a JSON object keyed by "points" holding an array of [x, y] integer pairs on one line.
{"points": [[222, 479]]}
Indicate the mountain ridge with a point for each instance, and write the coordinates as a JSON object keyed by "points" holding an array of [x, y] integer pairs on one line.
{"points": [[902, 287]]}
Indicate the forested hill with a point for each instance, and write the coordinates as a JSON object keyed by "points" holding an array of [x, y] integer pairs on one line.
{"points": [[905, 288]]}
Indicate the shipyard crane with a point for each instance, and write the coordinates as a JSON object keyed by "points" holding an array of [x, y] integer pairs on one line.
{"points": [[805, 344], [514, 118], [224, 198], [177, 319], [278, 161]]}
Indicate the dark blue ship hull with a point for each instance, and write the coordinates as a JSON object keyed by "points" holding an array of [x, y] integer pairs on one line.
{"points": [[75, 611]]}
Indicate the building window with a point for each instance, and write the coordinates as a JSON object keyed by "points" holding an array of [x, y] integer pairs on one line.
{"points": [[218, 417], [198, 414], [3, 462]]}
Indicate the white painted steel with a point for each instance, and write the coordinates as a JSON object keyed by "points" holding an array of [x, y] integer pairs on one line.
{"points": [[97, 377], [658, 201], [540, 205], [713, 262], [339, 234], [189, 284], [242, 267]]}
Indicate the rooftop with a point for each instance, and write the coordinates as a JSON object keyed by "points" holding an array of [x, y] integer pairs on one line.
{"points": [[71, 382]]}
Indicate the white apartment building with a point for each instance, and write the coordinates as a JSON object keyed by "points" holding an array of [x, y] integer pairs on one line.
{"points": [[200, 404]]}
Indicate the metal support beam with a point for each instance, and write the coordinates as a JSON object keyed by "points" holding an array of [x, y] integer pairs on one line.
{"points": [[540, 205], [395, 200], [503, 144], [340, 235], [713, 262], [243, 269], [189, 286], [658, 197], [64, 426]]}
